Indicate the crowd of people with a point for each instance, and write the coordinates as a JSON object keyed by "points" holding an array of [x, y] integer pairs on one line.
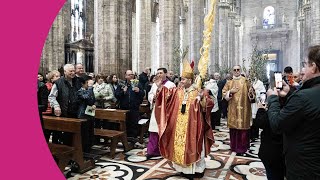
{"points": [[183, 115]]}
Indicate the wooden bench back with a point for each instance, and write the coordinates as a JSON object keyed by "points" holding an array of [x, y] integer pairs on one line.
{"points": [[145, 109], [113, 115], [64, 124]]}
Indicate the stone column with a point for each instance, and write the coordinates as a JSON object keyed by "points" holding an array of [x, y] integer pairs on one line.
{"points": [[315, 21], [89, 14], [52, 57], [167, 32], [214, 52], [113, 36], [231, 39], [301, 20], [224, 9], [143, 30], [237, 42], [196, 14], [154, 47], [135, 44], [307, 27], [283, 50]]}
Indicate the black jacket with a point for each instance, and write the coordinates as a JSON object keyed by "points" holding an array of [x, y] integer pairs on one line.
{"points": [[299, 121], [143, 79], [220, 87], [271, 148], [67, 97], [42, 93], [42, 96], [129, 100]]}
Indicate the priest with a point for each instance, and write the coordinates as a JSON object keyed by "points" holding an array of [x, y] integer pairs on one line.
{"points": [[183, 118]]}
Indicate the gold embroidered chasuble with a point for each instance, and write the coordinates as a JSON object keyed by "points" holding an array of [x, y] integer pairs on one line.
{"points": [[181, 135], [239, 106]]}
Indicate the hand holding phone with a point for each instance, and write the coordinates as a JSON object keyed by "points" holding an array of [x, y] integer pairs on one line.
{"points": [[278, 80], [263, 98]]}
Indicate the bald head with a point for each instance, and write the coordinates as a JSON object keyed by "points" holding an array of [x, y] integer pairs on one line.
{"points": [[79, 70]]}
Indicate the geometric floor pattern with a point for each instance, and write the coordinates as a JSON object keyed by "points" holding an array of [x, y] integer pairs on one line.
{"points": [[221, 163]]}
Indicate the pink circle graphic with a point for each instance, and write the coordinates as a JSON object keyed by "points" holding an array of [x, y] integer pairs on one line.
{"points": [[24, 28]]}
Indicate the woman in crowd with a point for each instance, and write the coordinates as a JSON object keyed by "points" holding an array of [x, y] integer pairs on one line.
{"points": [[103, 92], [113, 81], [41, 78], [52, 77]]}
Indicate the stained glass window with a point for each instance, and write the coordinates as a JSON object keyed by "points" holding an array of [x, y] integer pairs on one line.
{"points": [[77, 19], [268, 17]]}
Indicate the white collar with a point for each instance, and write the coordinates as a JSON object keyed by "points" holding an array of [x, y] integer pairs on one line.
{"points": [[237, 78]]}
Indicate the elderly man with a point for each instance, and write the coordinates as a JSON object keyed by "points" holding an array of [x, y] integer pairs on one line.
{"points": [[130, 97], [239, 111], [153, 148], [64, 100], [185, 135]]}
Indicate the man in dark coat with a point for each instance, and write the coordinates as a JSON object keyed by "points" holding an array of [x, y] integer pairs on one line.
{"points": [[64, 100], [144, 77], [299, 121], [130, 98]]}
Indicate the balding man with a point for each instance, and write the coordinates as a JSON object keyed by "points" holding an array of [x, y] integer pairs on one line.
{"points": [[130, 97], [79, 70]]}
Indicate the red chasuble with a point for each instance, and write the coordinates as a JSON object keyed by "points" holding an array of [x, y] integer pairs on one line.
{"points": [[181, 135]]}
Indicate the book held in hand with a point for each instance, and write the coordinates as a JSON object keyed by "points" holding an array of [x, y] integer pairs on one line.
{"points": [[90, 111]]}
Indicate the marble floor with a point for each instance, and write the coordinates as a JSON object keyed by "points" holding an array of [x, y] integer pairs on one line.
{"points": [[221, 163]]}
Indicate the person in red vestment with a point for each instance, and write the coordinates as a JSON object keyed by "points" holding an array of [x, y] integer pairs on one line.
{"points": [[183, 118]]}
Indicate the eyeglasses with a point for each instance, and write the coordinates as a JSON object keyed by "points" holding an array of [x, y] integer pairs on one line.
{"points": [[235, 70]]}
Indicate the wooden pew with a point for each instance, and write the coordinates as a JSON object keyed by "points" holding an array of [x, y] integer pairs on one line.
{"points": [[71, 125], [116, 116], [62, 154], [144, 109]]}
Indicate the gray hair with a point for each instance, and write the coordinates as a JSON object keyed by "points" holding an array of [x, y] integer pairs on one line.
{"points": [[67, 66]]}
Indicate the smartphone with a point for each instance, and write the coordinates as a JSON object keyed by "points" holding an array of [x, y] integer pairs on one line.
{"points": [[278, 80], [272, 83], [263, 97]]}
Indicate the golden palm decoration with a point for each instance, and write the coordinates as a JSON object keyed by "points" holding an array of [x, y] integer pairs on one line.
{"points": [[204, 50]]}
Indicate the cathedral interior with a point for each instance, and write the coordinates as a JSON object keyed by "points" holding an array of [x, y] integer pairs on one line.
{"points": [[112, 36]]}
